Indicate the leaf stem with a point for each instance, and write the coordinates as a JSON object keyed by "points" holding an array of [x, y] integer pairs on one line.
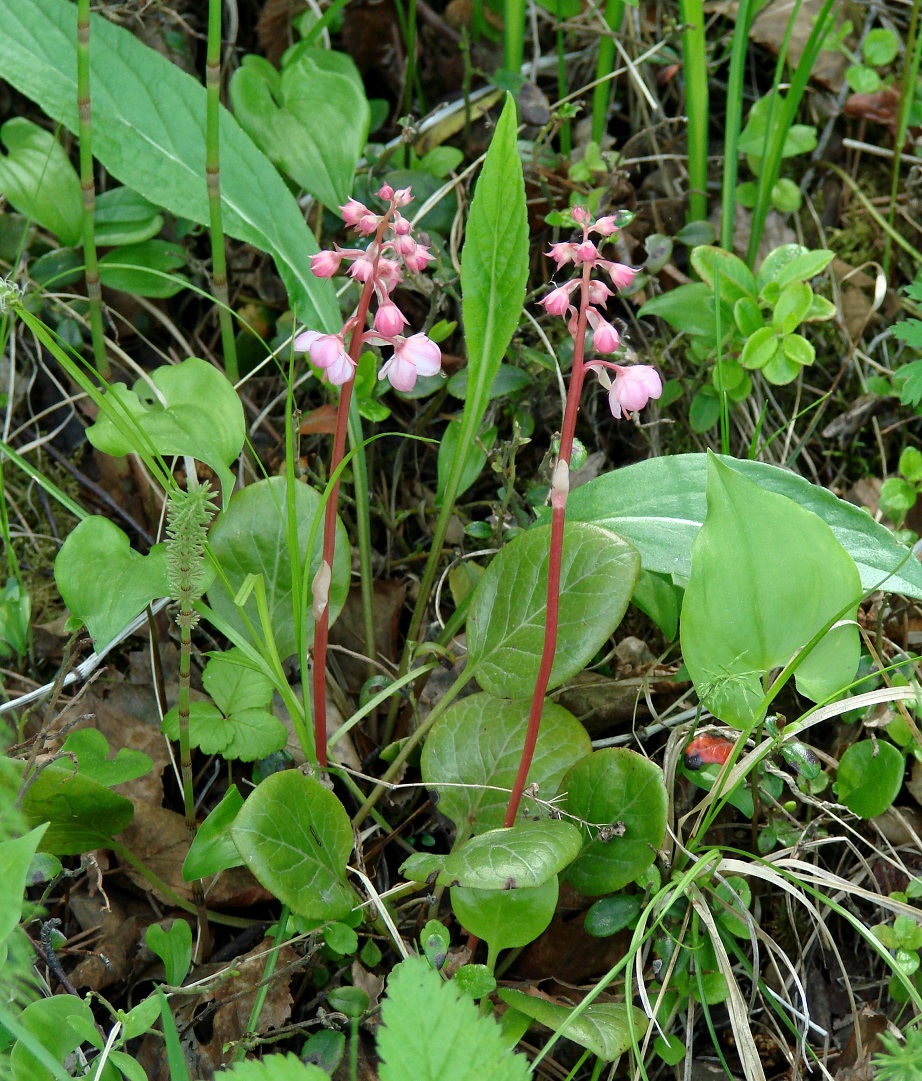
{"points": [[559, 490]]}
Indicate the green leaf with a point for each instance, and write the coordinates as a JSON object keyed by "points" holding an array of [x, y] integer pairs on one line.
{"points": [[173, 947], [506, 919], [655, 596], [736, 279], [781, 369], [341, 938], [295, 836], [748, 316], [311, 120], [103, 581], [16, 856], [475, 980], [37, 178], [15, 617], [494, 271], [798, 350], [139, 1019], [685, 309], [121, 216], [911, 464], [704, 411], [793, 304], [880, 47], [505, 623], [213, 849], [508, 380], [610, 915], [191, 409], [792, 263], [527, 854], [473, 467], [92, 750], [144, 269], [602, 1027], [251, 537], [663, 527], [242, 727], [49, 1021], [862, 80], [670, 1049], [81, 813], [766, 576], [785, 196], [274, 1068], [621, 789], [478, 742], [431, 1031], [760, 348], [149, 133], [870, 777]]}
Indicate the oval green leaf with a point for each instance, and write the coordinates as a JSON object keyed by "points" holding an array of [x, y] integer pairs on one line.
{"points": [[506, 919], [870, 776], [37, 178]]}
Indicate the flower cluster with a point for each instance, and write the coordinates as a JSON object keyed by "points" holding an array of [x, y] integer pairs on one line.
{"points": [[379, 267], [634, 385]]}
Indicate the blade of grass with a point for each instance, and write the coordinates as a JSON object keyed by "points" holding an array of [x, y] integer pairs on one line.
{"points": [[734, 120], [694, 56], [605, 65]]}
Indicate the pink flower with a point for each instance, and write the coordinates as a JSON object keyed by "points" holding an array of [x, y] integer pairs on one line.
{"points": [[599, 293], [413, 356], [385, 192], [581, 215], [562, 253], [586, 252], [604, 338], [389, 319], [403, 196], [353, 211], [401, 225], [389, 275], [633, 387], [605, 226], [325, 264], [621, 275], [418, 259], [367, 223], [327, 351], [557, 302], [363, 267]]}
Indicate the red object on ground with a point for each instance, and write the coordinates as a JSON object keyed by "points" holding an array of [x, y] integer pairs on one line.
{"points": [[703, 750]]}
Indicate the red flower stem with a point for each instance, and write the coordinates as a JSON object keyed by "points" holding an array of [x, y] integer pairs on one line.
{"points": [[559, 489], [324, 576]]}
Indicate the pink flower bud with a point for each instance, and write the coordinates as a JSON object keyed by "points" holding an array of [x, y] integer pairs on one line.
{"points": [[621, 275], [362, 268], [352, 211], [404, 244], [605, 337], [581, 215], [367, 223], [385, 192], [605, 226], [586, 252], [389, 319], [325, 264], [413, 357], [557, 302], [633, 387], [403, 197], [401, 225]]}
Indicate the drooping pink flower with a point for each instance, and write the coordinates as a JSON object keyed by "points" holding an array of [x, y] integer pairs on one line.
{"points": [[418, 259], [605, 337], [562, 253], [586, 252], [605, 226], [557, 302], [622, 276], [389, 319], [599, 293], [327, 351], [413, 357], [633, 387], [325, 264], [403, 196], [385, 192], [352, 212]]}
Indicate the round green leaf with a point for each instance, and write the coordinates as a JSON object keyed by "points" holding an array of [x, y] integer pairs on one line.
{"points": [[103, 581], [506, 919], [880, 47], [610, 915], [786, 196], [475, 980], [251, 537], [602, 1027], [479, 741], [295, 836], [766, 576], [37, 178], [781, 370], [798, 349], [195, 411], [670, 1049], [793, 304], [759, 349], [792, 263], [862, 80], [505, 623], [870, 776], [713, 264], [704, 411], [527, 854], [620, 789]]}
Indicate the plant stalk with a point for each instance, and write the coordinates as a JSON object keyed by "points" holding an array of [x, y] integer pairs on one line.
{"points": [[559, 490], [88, 190], [213, 180]]}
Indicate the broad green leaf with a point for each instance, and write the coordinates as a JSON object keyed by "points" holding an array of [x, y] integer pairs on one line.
{"points": [[505, 623], [870, 777], [139, 1019], [766, 576], [81, 813], [506, 919], [781, 369], [478, 742], [621, 789], [190, 409], [602, 1027], [295, 836], [793, 304], [431, 1031], [49, 1021], [121, 216], [494, 271], [760, 347], [508, 380], [251, 537], [798, 350], [791, 263], [37, 178], [16, 856], [473, 467], [15, 619], [213, 849], [748, 316], [656, 597], [149, 133], [736, 279], [609, 915], [311, 119], [686, 309], [785, 196], [659, 505], [144, 269], [274, 1068], [173, 947], [103, 581], [92, 750], [526, 854], [242, 726]]}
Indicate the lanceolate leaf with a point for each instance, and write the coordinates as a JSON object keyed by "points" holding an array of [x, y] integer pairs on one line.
{"points": [[663, 526], [149, 133]]}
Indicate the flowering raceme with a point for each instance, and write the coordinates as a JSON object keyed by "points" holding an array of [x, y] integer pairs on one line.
{"points": [[380, 266]]}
